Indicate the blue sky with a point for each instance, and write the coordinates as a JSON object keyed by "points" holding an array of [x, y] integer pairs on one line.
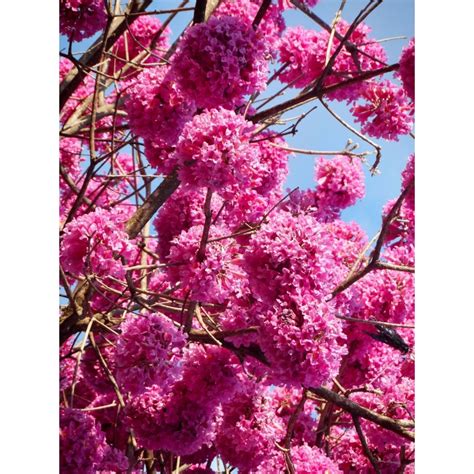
{"points": [[319, 131]]}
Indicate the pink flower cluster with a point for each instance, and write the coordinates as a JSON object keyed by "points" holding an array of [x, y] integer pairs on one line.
{"points": [[219, 62], [284, 4], [186, 418], [269, 29], [148, 352], [157, 112], [387, 112], [82, 91], [97, 243], [249, 429], [212, 278], [402, 228], [293, 264], [83, 447], [273, 163], [80, 19], [80, 442], [305, 50], [183, 210], [214, 151], [209, 327], [70, 158], [306, 460], [340, 181], [407, 69]]}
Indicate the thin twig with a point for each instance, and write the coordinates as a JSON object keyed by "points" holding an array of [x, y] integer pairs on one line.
{"points": [[315, 94], [401, 427], [201, 322], [333, 31], [365, 446], [201, 254], [374, 260], [317, 152], [378, 148], [261, 13], [375, 323]]}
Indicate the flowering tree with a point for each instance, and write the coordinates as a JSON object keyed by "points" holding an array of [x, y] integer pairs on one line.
{"points": [[211, 318]]}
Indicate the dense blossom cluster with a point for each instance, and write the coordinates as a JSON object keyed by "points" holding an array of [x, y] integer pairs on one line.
{"points": [[249, 429], [148, 352], [306, 460], [206, 303], [97, 243], [387, 113], [157, 112], [219, 62], [186, 418], [80, 19], [83, 91], [83, 447], [305, 52], [271, 26], [293, 263], [213, 278], [340, 182], [407, 69], [214, 151]]}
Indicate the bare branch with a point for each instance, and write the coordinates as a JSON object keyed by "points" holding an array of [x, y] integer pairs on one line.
{"points": [[365, 446], [401, 427], [156, 199], [374, 261], [314, 94]]}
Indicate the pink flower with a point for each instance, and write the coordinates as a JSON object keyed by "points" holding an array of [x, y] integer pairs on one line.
{"points": [[220, 61], [341, 182], [407, 69], [403, 226], [157, 112], [96, 242], [249, 429], [386, 113], [272, 169], [148, 352], [285, 4], [293, 264], [185, 419], [306, 460], [81, 442], [214, 151], [305, 50], [270, 28], [70, 158], [408, 175], [80, 19], [214, 278], [82, 91]]}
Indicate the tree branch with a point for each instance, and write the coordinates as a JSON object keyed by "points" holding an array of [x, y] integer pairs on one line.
{"points": [[314, 94], [203, 10], [374, 260], [261, 13], [401, 427], [156, 199], [365, 446]]}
